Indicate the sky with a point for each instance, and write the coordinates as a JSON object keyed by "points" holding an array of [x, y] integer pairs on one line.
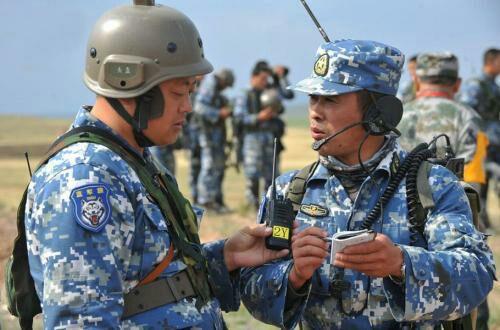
{"points": [[43, 42]]}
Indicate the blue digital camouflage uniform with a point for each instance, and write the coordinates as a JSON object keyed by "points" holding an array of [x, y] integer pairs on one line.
{"points": [[84, 257], [446, 276], [446, 280], [257, 144], [483, 95], [212, 135], [192, 131], [407, 92], [165, 157]]}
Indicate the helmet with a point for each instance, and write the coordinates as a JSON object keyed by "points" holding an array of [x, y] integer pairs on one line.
{"points": [[226, 76], [271, 98], [133, 48]]}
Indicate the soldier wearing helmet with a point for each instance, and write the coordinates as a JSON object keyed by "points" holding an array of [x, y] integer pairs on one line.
{"points": [[211, 109], [112, 243], [410, 274]]}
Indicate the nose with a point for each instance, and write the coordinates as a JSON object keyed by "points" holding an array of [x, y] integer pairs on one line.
{"points": [[186, 105], [315, 109]]}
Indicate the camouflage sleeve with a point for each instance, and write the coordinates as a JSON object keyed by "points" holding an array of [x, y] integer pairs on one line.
{"points": [[226, 286], [80, 272], [456, 272], [265, 289], [282, 84], [242, 113], [203, 102], [470, 94]]}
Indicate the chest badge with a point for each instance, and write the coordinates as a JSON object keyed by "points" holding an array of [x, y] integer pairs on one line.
{"points": [[321, 65], [91, 205], [313, 210]]}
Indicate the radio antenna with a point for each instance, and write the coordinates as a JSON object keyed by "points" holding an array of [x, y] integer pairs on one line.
{"points": [[323, 33]]}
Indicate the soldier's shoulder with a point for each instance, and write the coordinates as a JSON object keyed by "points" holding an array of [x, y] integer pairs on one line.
{"points": [[86, 156]]}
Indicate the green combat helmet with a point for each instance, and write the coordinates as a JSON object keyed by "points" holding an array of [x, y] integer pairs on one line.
{"points": [[134, 48]]}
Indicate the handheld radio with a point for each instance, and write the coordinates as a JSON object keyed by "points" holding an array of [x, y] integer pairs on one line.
{"points": [[281, 216]]}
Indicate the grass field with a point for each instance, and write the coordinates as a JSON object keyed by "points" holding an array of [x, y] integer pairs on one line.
{"points": [[20, 134]]}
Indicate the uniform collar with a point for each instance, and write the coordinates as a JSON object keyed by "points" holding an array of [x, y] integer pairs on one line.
{"points": [[85, 118], [392, 159]]}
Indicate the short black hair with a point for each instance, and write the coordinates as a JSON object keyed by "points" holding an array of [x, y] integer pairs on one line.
{"points": [[261, 66], [413, 58], [490, 54], [440, 80]]}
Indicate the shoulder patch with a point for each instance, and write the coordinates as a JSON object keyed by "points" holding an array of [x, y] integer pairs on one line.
{"points": [[314, 210], [91, 206]]}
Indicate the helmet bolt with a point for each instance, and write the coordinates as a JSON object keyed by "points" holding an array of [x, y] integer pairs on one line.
{"points": [[200, 43], [171, 47], [123, 83], [93, 52]]}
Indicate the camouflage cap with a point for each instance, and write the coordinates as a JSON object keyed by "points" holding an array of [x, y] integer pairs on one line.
{"points": [[346, 66], [443, 64]]}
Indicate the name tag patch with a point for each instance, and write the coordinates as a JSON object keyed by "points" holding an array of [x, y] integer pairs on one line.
{"points": [[313, 210]]}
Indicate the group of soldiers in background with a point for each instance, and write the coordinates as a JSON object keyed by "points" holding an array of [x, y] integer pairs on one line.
{"points": [[470, 119], [255, 120]]}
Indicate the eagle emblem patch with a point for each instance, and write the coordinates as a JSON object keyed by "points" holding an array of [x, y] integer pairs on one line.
{"points": [[321, 65], [313, 210], [91, 205]]}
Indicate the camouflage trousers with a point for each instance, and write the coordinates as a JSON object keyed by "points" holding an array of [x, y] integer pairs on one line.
{"points": [[257, 164], [213, 161]]}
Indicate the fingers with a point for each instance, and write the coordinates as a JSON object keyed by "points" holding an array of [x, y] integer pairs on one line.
{"points": [[309, 250], [376, 257], [259, 230]]}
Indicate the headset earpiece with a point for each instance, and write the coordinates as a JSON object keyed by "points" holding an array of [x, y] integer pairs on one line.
{"points": [[383, 115]]}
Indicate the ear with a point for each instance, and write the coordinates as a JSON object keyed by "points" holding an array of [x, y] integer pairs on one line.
{"points": [[417, 84], [456, 86]]}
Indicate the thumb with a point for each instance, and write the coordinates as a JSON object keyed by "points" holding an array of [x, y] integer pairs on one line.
{"points": [[260, 230]]}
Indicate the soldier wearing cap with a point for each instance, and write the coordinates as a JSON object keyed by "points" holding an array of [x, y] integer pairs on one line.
{"points": [[435, 111], [399, 278], [111, 241], [211, 109]]}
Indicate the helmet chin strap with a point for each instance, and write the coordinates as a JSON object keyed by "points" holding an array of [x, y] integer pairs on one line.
{"points": [[148, 106]]}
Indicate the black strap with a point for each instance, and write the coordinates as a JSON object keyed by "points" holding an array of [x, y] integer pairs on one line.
{"points": [[297, 187]]}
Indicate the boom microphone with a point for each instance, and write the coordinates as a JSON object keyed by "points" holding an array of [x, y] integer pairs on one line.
{"points": [[318, 144]]}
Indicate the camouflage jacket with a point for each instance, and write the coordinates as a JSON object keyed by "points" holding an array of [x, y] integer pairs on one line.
{"points": [[482, 94], [407, 92], [445, 280], [208, 103], [427, 117], [86, 253]]}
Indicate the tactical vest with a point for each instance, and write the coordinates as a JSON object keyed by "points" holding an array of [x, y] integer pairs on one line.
{"points": [[23, 301], [297, 189]]}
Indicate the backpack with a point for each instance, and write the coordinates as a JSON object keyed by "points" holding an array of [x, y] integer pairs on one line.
{"points": [[297, 188], [22, 299]]}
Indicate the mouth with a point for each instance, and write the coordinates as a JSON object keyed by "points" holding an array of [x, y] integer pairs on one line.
{"points": [[178, 124], [316, 133]]}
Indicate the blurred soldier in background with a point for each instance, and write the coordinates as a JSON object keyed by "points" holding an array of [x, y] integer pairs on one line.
{"points": [[435, 111], [211, 109], [164, 156], [483, 94], [407, 91], [192, 142], [257, 132], [279, 84]]}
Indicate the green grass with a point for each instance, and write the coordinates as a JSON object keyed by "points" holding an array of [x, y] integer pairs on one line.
{"points": [[17, 133]]}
